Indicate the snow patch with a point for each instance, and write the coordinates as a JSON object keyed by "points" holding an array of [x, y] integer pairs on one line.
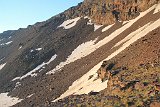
{"points": [[19, 47], [86, 17], [29, 96], [69, 23], [31, 50], [107, 27], [157, 9], [17, 85], [8, 42], [2, 66], [17, 78], [38, 49], [2, 44], [39, 67], [96, 27], [89, 22], [7, 101], [125, 22]]}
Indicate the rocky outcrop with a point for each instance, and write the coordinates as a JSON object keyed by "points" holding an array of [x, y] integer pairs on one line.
{"points": [[109, 11], [105, 71], [108, 69]]}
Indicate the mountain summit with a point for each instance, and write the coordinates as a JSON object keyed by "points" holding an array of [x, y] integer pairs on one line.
{"points": [[99, 53]]}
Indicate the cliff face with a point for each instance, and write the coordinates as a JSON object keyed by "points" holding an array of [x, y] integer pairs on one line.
{"points": [[110, 11]]}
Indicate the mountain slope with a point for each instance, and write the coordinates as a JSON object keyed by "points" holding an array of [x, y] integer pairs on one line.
{"points": [[45, 59], [142, 31], [120, 92]]}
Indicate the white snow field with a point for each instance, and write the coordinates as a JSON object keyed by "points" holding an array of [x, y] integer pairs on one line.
{"points": [[84, 85], [7, 101], [69, 23]]}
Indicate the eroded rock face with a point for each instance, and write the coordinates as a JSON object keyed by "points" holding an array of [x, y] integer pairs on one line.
{"points": [[103, 11], [109, 11], [105, 71]]}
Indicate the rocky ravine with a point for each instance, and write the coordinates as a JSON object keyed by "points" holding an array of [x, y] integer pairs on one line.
{"points": [[39, 63]]}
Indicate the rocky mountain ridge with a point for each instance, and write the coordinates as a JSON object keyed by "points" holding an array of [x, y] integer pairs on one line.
{"points": [[109, 11]]}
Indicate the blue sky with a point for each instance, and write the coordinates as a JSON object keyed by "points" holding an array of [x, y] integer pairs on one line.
{"points": [[16, 14]]}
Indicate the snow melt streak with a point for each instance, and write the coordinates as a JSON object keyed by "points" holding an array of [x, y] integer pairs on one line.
{"points": [[7, 101], [139, 35], [69, 23], [107, 27], [2, 65], [39, 67]]}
